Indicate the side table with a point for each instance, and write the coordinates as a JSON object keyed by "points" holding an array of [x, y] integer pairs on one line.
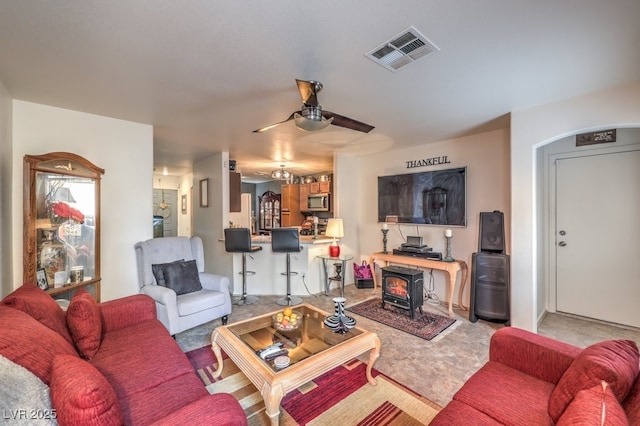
{"points": [[327, 280]]}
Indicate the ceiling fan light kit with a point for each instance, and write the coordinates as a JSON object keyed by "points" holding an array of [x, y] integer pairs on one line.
{"points": [[312, 118], [311, 125]]}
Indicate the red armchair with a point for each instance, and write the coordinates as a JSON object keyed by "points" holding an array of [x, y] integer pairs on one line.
{"points": [[535, 380]]}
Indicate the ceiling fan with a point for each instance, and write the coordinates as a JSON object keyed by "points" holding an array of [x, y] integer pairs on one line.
{"points": [[311, 117]]}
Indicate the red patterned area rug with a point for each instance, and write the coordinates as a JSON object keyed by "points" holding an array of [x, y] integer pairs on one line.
{"points": [[426, 324], [341, 395]]}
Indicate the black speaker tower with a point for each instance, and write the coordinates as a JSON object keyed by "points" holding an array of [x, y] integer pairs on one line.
{"points": [[490, 295]]}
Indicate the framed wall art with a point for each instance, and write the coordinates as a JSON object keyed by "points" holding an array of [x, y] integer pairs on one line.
{"points": [[204, 192]]}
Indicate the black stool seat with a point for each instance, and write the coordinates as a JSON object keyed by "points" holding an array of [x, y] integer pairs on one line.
{"points": [[238, 240], [286, 240]]}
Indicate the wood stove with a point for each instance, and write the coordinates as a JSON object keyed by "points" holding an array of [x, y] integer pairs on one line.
{"points": [[403, 287]]}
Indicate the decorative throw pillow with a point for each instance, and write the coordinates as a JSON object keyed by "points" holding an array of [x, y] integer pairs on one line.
{"points": [[158, 271], [81, 395], [22, 390], [631, 404], [595, 406], [181, 276], [614, 361], [85, 325], [31, 299], [30, 343]]}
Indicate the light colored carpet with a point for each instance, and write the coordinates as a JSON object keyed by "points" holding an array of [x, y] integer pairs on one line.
{"points": [[434, 368]]}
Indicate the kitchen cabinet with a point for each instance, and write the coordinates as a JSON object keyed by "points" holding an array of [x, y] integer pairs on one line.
{"points": [[304, 194], [290, 205], [235, 192], [313, 188], [320, 187], [269, 217], [61, 241]]}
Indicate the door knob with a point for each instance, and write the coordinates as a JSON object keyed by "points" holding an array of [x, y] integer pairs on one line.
{"points": [[562, 244]]}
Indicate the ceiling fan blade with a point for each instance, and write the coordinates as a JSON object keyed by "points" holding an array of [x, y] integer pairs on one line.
{"points": [[349, 123], [308, 91], [271, 126]]}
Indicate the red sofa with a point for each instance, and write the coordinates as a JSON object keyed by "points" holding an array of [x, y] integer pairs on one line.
{"points": [[108, 363], [534, 380]]}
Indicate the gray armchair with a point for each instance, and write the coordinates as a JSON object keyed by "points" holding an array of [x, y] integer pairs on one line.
{"points": [[184, 311]]}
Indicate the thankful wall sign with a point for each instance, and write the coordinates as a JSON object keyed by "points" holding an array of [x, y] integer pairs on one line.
{"points": [[425, 162]]}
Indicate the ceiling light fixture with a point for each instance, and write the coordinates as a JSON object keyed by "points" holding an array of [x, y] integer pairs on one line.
{"points": [[311, 119], [281, 174]]}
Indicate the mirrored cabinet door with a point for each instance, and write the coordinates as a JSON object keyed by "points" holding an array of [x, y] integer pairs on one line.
{"points": [[62, 223]]}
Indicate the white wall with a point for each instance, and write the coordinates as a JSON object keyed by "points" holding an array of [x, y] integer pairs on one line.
{"points": [[486, 157], [208, 222], [532, 128], [186, 188], [6, 233], [125, 150]]}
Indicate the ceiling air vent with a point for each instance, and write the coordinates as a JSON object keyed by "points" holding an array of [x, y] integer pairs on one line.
{"points": [[402, 49]]}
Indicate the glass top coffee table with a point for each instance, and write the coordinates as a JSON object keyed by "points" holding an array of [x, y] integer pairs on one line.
{"points": [[313, 350]]}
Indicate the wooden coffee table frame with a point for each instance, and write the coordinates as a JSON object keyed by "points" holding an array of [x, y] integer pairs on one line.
{"points": [[274, 385]]}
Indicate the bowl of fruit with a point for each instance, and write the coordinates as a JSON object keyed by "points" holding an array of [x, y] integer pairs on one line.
{"points": [[287, 320]]}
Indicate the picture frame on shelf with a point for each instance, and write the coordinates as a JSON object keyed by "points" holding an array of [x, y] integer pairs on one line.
{"points": [[204, 192], [41, 279]]}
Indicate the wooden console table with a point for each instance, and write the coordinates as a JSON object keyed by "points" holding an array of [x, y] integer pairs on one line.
{"points": [[452, 268]]}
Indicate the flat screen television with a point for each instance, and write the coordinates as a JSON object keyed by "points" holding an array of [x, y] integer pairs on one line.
{"points": [[429, 198]]}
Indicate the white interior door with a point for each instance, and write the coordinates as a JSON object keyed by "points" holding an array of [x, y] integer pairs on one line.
{"points": [[598, 237]]}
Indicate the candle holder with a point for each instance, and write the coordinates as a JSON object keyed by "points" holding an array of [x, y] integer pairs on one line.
{"points": [[448, 257], [384, 240]]}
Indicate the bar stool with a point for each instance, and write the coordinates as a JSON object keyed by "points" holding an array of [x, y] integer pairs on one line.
{"points": [[286, 240], [238, 240]]}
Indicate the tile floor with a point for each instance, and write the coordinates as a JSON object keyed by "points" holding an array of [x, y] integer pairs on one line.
{"points": [[436, 368]]}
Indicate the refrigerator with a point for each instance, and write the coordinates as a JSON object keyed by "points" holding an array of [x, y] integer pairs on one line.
{"points": [[242, 219]]}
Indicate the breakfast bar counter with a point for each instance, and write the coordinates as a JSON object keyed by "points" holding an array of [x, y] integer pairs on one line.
{"points": [[304, 240], [268, 267]]}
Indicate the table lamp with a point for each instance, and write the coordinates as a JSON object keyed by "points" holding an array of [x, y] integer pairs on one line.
{"points": [[335, 230]]}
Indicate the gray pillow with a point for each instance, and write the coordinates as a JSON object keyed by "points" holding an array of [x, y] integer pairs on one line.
{"points": [[180, 276], [25, 394], [158, 269]]}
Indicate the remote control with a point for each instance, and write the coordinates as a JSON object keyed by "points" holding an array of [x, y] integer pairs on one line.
{"points": [[274, 355], [265, 352]]}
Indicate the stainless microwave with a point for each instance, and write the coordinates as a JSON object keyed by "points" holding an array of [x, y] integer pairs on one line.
{"points": [[318, 202]]}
